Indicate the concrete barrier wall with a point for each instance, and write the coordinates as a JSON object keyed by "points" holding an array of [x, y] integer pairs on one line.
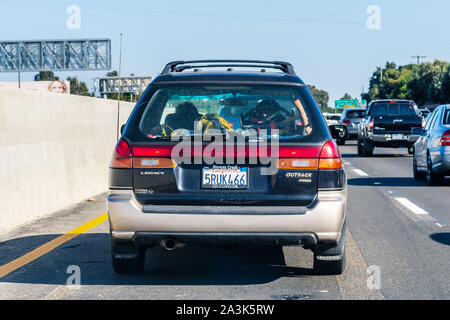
{"points": [[54, 151]]}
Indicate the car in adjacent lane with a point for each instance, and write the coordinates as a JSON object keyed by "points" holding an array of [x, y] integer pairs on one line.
{"points": [[431, 158]]}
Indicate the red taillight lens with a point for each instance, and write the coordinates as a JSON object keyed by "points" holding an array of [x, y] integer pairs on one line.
{"points": [[122, 156], [122, 149], [298, 152], [152, 151], [424, 123], [445, 139], [330, 158], [371, 125], [346, 122]]}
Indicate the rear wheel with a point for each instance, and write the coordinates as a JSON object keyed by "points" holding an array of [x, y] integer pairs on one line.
{"points": [[432, 177], [127, 257], [417, 174], [360, 148], [329, 259], [368, 149]]}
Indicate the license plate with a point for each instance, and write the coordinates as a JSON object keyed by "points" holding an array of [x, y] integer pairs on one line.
{"points": [[225, 178], [397, 137]]}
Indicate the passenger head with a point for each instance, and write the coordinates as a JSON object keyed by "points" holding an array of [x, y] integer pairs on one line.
{"points": [[188, 110], [267, 107]]}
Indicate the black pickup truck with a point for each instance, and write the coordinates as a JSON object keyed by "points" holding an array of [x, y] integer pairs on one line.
{"points": [[388, 124]]}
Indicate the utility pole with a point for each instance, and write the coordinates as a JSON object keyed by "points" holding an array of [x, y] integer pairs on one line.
{"points": [[418, 57], [118, 95]]}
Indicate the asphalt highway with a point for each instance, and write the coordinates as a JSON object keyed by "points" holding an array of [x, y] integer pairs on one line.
{"points": [[398, 248]]}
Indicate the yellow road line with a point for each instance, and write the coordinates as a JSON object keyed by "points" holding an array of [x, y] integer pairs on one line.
{"points": [[49, 246]]}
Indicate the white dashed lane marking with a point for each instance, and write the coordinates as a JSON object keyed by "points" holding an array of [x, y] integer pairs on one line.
{"points": [[360, 172], [410, 206], [412, 210]]}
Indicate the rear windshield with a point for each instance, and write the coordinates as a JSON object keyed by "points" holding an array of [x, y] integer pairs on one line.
{"points": [[392, 109], [354, 114], [192, 110], [447, 117]]}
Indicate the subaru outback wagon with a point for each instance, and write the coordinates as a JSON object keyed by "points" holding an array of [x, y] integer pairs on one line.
{"points": [[227, 152]]}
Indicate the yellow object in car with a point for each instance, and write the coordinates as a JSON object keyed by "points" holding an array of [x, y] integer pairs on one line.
{"points": [[209, 121]]}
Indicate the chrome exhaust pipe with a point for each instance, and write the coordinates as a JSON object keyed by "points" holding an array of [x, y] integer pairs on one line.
{"points": [[170, 244]]}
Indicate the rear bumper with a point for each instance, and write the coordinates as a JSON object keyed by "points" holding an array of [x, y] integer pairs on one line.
{"points": [[154, 239], [131, 221], [387, 140]]}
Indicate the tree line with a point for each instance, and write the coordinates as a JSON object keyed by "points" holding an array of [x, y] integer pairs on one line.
{"points": [[426, 83]]}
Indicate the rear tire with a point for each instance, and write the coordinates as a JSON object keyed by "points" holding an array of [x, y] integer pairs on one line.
{"points": [[368, 149], [329, 259], [416, 173], [433, 178], [360, 148], [127, 257]]}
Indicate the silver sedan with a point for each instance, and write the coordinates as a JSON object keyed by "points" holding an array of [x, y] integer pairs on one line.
{"points": [[432, 150]]}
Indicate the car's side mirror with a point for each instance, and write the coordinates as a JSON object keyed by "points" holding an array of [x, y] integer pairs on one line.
{"points": [[122, 128], [417, 131], [338, 131]]}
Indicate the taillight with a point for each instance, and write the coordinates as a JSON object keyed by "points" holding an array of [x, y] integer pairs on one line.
{"points": [[445, 139], [152, 151], [371, 125], [121, 157], [346, 122], [423, 123], [160, 163], [298, 164], [330, 158]]}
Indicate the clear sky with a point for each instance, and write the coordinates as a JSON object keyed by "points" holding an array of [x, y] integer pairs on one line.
{"points": [[328, 41]]}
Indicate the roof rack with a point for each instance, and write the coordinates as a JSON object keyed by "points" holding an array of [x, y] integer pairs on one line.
{"points": [[179, 66]]}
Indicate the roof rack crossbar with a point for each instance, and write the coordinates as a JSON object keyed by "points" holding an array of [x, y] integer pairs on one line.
{"points": [[185, 67], [179, 66]]}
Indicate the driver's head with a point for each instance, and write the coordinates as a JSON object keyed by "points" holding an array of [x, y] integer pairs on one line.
{"points": [[267, 108]]}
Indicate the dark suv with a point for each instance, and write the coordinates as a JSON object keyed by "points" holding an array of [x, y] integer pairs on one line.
{"points": [[388, 124], [211, 155]]}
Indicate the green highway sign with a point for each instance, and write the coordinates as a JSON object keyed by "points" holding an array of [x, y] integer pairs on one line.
{"points": [[344, 104]]}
